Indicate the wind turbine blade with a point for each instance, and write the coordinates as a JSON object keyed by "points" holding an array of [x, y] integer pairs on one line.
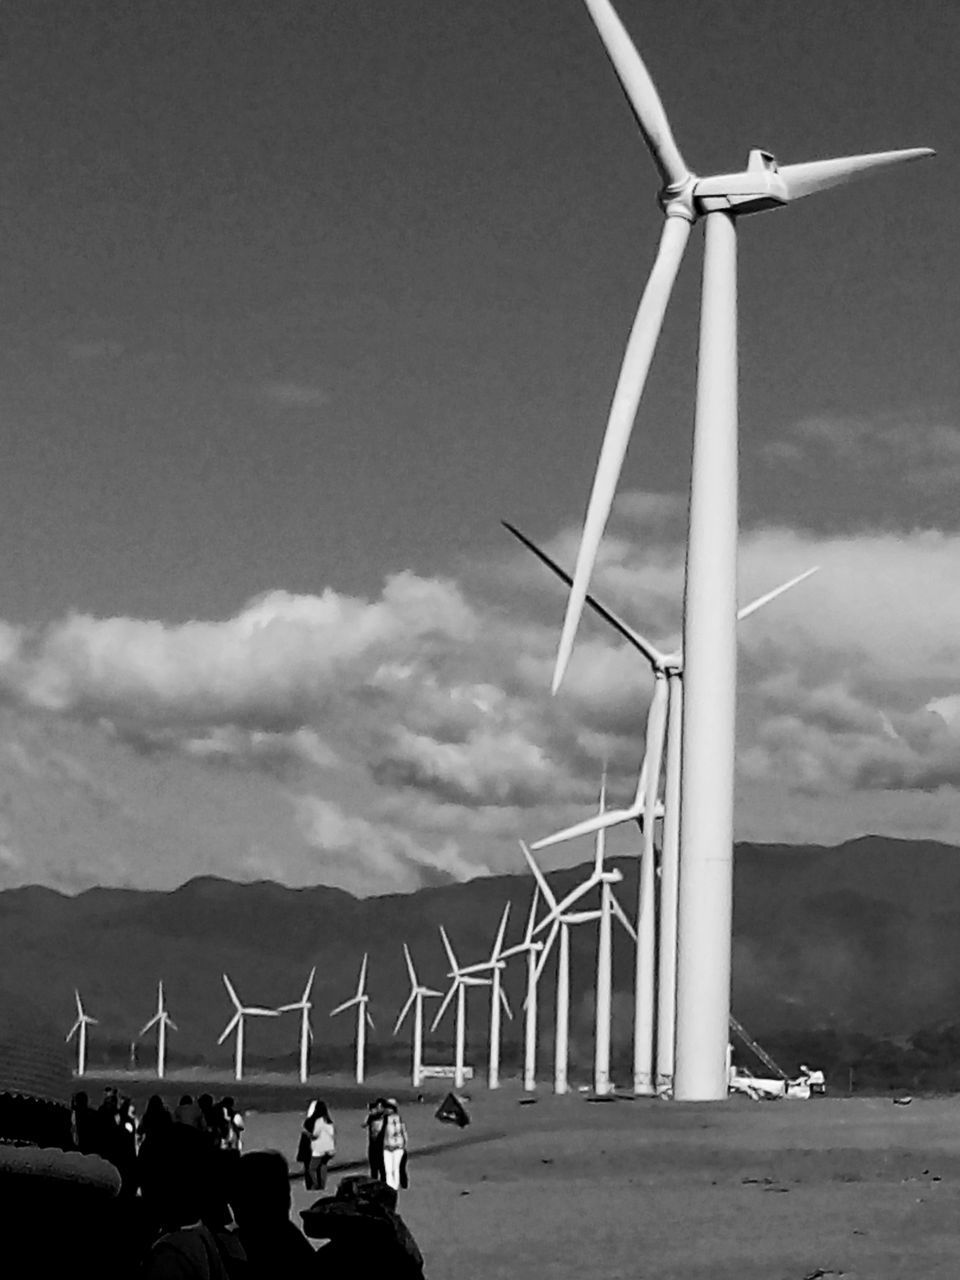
{"points": [[363, 974], [562, 907], [410, 969], [230, 991], [612, 818], [369, 1020], [289, 1008], [817, 175], [229, 1027], [623, 412], [255, 1011], [601, 845], [506, 1004], [73, 1031], [498, 944], [91, 1022], [547, 948], [171, 1024], [404, 1011], [443, 1007], [649, 651], [449, 950], [347, 1004], [309, 987], [147, 1025], [621, 915], [653, 752], [532, 917], [760, 601], [641, 93], [76, 996], [538, 876]]}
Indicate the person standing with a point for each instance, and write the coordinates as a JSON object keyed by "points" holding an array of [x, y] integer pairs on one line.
{"points": [[373, 1123], [394, 1139], [320, 1145]]}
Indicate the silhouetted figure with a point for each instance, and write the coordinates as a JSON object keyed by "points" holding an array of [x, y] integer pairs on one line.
{"points": [[59, 1204], [373, 1123], [232, 1125], [261, 1201], [156, 1118], [184, 1196], [187, 1111], [85, 1124], [366, 1234]]}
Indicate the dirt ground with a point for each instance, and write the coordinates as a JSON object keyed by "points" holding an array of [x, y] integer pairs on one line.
{"points": [[859, 1188]]}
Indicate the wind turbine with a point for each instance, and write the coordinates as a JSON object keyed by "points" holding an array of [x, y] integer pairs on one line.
{"points": [[709, 640], [79, 1029], [161, 1020], [240, 1012], [498, 999], [654, 996], [361, 1000], [418, 993], [458, 988], [531, 949], [306, 1032]]}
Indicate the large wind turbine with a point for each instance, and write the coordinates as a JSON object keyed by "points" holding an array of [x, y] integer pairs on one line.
{"points": [[709, 642], [498, 998], [418, 993], [458, 987], [79, 1029], [240, 1012], [304, 1005], [361, 1000], [161, 1020], [652, 993]]}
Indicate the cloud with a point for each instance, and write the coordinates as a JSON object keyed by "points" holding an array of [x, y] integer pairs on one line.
{"points": [[294, 395]]}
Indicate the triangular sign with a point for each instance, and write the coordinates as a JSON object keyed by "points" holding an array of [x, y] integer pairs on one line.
{"points": [[452, 1111]]}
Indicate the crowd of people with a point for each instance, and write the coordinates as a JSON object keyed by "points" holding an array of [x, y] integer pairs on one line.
{"points": [[172, 1195]]}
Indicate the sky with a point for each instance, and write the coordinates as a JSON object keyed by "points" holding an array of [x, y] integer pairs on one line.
{"points": [[301, 300]]}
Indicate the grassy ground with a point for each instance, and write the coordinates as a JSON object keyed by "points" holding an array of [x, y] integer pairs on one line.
{"points": [[567, 1188]]}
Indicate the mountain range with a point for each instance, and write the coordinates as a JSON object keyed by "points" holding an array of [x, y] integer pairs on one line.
{"points": [[861, 938]]}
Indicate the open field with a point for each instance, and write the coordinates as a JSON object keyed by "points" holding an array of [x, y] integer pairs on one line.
{"points": [[858, 1187]]}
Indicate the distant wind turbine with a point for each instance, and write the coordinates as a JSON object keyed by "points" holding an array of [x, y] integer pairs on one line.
{"points": [[306, 1031], [236, 1022], [498, 1000], [458, 987], [79, 1029], [360, 1002], [418, 993], [161, 1020]]}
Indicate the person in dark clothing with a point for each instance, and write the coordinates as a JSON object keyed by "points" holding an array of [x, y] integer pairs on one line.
{"points": [[373, 1123], [366, 1235], [156, 1118], [85, 1124], [261, 1201], [187, 1111], [60, 1212], [186, 1203]]}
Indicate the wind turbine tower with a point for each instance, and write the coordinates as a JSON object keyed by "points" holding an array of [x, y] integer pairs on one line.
{"points": [[418, 993]]}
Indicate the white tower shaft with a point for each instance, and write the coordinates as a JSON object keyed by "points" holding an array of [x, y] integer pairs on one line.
{"points": [[361, 1039], [238, 1063], [417, 1075], [562, 1040], [601, 1060], [493, 1064], [461, 1034], [669, 887], [710, 658], [304, 1044], [161, 1046], [530, 1026]]}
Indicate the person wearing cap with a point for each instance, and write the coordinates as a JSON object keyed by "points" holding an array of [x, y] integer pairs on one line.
{"points": [[60, 1205], [394, 1144]]}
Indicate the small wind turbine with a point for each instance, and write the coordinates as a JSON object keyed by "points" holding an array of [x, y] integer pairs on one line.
{"points": [[418, 993], [240, 1012], [655, 1002], [531, 949], [361, 1000], [79, 1029], [709, 641], [306, 1032], [458, 987], [161, 1020], [495, 967]]}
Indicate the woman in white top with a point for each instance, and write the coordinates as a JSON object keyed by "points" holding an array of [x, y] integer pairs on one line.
{"points": [[317, 1146]]}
